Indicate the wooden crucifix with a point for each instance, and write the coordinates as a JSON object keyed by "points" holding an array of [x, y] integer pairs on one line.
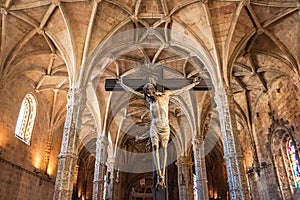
{"points": [[164, 84], [158, 99]]}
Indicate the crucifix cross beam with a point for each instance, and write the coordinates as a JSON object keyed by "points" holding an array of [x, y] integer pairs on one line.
{"points": [[164, 84]]}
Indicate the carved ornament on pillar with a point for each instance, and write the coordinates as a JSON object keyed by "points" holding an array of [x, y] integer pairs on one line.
{"points": [[184, 170], [113, 176], [223, 98], [69, 150], [185, 184], [200, 168], [75, 107], [99, 172], [232, 151]]}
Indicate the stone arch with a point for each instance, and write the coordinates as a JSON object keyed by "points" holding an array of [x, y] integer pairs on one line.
{"points": [[118, 44], [279, 136], [84, 170], [109, 51], [141, 186]]}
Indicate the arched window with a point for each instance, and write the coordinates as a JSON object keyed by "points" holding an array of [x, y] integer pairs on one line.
{"points": [[26, 118], [285, 157], [294, 162]]}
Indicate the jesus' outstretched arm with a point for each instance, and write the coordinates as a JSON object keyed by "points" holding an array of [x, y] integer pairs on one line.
{"points": [[184, 89], [127, 88]]}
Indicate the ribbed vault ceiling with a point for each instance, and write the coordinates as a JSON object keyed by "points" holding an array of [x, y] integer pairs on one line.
{"points": [[52, 44]]}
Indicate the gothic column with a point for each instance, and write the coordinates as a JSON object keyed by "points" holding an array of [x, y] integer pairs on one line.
{"points": [[113, 177], [101, 156], [232, 151], [185, 183], [200, 168], [69, 149]]}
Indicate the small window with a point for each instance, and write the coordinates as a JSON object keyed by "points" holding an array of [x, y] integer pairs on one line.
{"points": [[26, 118]]}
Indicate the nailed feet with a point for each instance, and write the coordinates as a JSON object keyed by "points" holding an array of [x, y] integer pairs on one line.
{"points": [[161, 183]]}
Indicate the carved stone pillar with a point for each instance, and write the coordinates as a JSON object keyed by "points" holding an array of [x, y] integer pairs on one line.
{"points": [[297, 144], [200, 168], [232, 151], [69, 149], [101, 157], [185, 183], [113, 177]]}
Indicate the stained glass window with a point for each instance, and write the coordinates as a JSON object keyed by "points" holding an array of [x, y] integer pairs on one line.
{"points": [[26, 118], [294, 163]]}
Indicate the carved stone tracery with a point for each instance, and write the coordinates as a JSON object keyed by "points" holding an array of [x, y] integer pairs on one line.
{"points": [[69, 149], [185, 186], [200, 168], [101, 156], [232, 151]]}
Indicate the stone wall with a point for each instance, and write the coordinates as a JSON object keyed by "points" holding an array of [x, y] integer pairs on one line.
{"points": [[280, 102], [20, 183], [27, 171]]}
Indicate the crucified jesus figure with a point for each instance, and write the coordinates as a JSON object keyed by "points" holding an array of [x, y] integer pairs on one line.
{"points": [[159, 128]]}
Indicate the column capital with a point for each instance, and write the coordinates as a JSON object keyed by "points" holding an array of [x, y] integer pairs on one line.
{"points": [[197, 141], [111, 162], [222, 92], [102, 140], [76, 95], [184, 160], [101, 150], [67, 154]]}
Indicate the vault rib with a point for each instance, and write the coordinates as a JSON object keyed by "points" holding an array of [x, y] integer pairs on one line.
{"points": [[18, 47], [47, 15], [123, 7], [165, 7], [279, 4], [284, 49], [260, 77], [279, 16], [28, 5], [25, 18], [253, 16], [187, 3], [89, 32]]}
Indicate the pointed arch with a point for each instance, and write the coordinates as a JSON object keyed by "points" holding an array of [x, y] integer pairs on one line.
{"points": [[25, 122], [282, 139]]}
